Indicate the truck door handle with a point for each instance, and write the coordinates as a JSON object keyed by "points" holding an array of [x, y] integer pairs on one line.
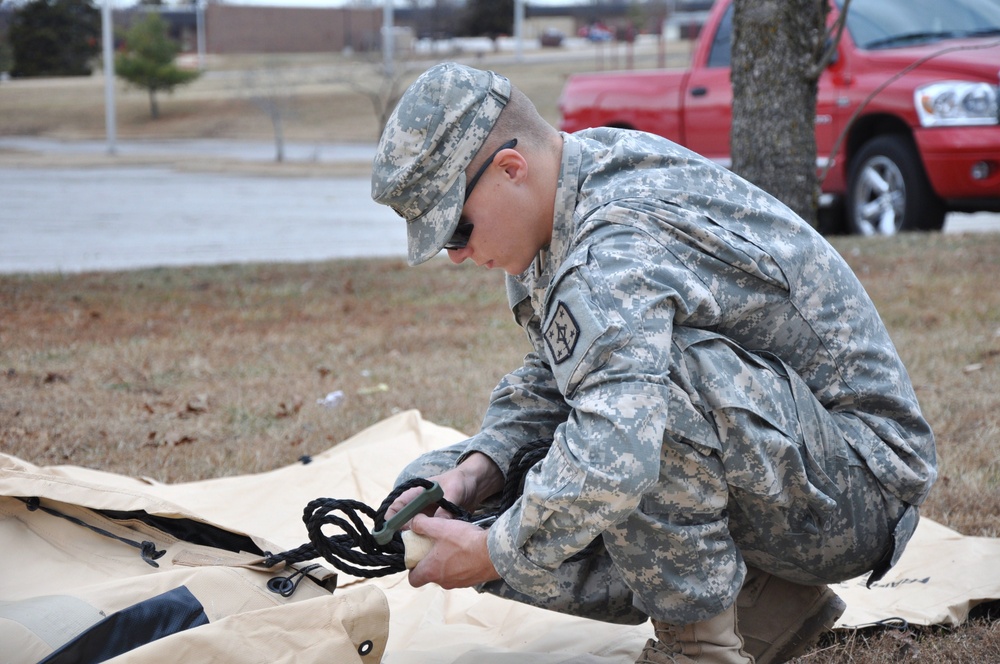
{"points": [[700, 91]]}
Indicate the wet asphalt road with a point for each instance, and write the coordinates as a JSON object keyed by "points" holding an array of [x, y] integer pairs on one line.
{"points": [[111, 218], [70, 220]]}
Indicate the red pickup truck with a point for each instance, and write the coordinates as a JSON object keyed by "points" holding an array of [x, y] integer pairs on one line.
{"points": [[907, 119]]}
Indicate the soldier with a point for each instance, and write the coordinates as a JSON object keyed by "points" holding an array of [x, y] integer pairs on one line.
{"points": [[728, 416]]}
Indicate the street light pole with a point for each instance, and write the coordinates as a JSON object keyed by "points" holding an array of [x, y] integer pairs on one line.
{"points": [[519, 29], [199, 20], [388, 36], [109, 76]]}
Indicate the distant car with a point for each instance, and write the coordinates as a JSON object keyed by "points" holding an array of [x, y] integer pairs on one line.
{"points": [[551, 38], [596, 33], [910, 103]]}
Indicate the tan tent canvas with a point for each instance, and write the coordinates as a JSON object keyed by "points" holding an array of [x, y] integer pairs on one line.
{"points": [[940, 578]]}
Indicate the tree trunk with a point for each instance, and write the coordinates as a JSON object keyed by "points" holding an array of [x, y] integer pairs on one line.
{"points": [[154, 109], [776, 47]]}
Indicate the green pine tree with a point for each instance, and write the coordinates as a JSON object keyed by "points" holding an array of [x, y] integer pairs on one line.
{"points": [[491, 18], [54, 38], [148, 60]]}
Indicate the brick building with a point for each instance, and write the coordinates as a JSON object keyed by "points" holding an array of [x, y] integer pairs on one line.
{"points": [[253, 29]]}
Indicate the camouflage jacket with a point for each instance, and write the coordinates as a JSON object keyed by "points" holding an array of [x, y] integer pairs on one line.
{"points": [[651, 241]]}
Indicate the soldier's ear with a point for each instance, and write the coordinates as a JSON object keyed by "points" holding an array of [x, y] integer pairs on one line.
{"points": [[513, 164]]}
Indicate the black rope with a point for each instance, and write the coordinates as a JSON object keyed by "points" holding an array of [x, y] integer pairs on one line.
{"points": [[147, 549], [356, 552], [286, 585]]}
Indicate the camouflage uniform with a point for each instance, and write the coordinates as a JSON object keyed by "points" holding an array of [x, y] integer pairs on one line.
{"points": [[719, 390]]}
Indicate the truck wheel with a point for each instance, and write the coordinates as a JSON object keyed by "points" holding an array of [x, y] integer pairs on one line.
{"points": [[888, 191]]}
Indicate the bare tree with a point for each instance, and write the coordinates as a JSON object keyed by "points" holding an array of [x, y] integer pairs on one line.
{"points": [[780, 48], [270, 90], [381, 87]]}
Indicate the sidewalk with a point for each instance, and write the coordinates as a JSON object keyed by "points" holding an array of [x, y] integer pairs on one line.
{"points": [[251, 151]]}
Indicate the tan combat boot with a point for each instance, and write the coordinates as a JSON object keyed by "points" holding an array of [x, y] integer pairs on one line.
{"points": [[781, 620], [712, 641]]}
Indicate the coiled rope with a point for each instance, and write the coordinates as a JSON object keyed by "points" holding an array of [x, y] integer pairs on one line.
{"points": [[356, 552]]}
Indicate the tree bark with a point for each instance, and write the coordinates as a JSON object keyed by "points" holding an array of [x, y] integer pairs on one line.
{"points": [[776, 47]]}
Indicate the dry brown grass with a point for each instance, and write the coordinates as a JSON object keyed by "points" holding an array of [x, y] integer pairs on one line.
{"points": [[181, 374], [325, 95], [194, 373]]}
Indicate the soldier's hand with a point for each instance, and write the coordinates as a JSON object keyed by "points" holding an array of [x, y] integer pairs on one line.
{"points": [[458, 557], [466, 485]]}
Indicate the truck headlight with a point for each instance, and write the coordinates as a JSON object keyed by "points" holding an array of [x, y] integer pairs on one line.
{"points": [[956, 103]]}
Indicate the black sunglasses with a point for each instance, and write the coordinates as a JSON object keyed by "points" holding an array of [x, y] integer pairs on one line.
{"points": [[460, 238], [486, 164]]}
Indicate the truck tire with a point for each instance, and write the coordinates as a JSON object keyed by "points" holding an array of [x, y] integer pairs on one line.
{"points": [[888, 191]]}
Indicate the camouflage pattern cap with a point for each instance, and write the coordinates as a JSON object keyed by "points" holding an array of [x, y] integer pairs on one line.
{"points": [[437, 128]]}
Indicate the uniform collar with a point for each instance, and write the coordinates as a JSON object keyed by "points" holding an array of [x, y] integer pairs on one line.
{"points": [[567, 189]]}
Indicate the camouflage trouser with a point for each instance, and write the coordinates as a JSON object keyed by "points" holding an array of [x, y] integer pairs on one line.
{"points": [[802, 504]]}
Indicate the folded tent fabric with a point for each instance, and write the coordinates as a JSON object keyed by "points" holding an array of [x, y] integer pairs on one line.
{"points": [[941, 577], [78, 596], [105, 570]]}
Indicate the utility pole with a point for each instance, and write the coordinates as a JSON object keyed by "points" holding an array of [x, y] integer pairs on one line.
{"points": [[109, 76], [519, 28], [388, 36], [200, 29]]}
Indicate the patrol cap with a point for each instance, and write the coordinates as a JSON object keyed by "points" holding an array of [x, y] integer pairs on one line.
{"points": [[439, 125]]}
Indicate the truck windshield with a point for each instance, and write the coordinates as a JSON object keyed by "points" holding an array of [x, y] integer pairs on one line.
{"points": [[876, 24]]}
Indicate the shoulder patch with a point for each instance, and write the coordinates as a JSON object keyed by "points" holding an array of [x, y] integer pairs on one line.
{"points": [[562, 334]]}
